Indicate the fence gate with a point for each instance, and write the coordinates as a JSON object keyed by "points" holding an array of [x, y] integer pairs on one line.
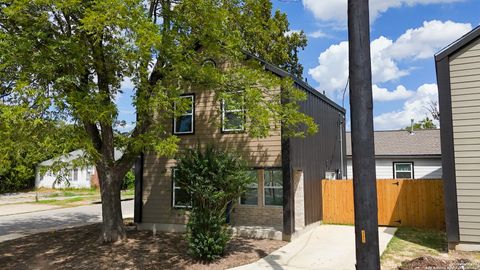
{"points": [[412, 203]]}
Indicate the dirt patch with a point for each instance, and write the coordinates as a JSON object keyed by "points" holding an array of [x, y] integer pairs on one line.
{"points": [[437, 263], [77, 249], [425, 249]]}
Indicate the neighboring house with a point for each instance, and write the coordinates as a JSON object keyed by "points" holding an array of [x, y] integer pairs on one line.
{"points": [[458, 76], [287, 194], [81, 176], [400, 154]]}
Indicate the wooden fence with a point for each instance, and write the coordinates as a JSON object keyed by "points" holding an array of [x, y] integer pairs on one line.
{"points": [[413, 203]]}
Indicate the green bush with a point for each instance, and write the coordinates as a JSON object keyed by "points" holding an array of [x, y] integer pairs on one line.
{"points": [[129, 181], [213, 178]]}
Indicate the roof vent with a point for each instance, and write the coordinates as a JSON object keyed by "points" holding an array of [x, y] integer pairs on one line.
{"points": [[412, 132]]}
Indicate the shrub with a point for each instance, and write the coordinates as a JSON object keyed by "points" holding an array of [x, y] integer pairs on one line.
{"points": [[129, 181], [213, 178]]}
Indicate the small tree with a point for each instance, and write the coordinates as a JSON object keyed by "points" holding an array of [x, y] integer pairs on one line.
{"points": [[426, 123], [213, 178]]}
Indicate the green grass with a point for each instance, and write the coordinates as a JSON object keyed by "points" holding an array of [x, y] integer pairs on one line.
{"points": [[129, 192], [72, 192], [62, 202], [410, 243]]}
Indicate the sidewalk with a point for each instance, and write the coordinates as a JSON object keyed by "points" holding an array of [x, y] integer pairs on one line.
{"points": [[13, 209], [325, 247]]}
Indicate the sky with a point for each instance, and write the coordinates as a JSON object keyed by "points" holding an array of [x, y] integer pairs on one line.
{"points": [[405, 35]]}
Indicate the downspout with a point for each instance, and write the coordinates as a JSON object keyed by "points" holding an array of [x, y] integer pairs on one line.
{"points": [[341, 145]]}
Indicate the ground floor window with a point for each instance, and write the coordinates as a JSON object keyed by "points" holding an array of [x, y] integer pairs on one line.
{"points": [[180, 197], [403, 170], [250, 197], [273, 187]]}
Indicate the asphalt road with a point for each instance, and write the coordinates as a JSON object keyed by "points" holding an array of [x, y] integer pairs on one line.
{"points": [[16, 226]]}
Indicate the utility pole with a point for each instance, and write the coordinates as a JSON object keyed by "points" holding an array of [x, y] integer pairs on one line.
{"points": [[361, 110]]}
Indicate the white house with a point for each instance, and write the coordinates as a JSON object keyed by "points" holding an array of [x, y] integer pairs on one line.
{"points": [[400, 154], [83, 176]]}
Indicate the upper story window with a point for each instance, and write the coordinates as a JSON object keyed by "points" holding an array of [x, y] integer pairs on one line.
{"points": [[233, 113], [184, 122], [403, 170]]}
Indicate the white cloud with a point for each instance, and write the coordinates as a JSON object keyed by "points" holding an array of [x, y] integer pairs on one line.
{"points": [[332, 73], [383, 94], [317, 34], [425, 41], [336, 10], [414, 44], [289, 33], [414, 107]]}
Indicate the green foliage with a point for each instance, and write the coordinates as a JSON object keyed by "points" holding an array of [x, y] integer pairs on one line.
{"points": [[426, 123], [270, 36], [208, 235], [129, 181], [26, 141], [66, 60], [214, 178]]}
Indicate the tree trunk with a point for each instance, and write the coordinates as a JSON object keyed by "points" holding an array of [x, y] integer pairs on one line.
{"points": [[113, 229]]}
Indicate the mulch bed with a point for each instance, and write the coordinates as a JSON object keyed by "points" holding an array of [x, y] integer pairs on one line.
{"points": [[77, 248], [431, 263]]}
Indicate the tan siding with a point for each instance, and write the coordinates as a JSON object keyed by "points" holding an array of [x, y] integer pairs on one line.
{"points": [[464, 66], [157, 191], [465, 92], [466, 116]]}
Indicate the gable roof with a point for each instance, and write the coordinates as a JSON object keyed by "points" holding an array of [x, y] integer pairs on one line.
{"points": [[458, 44], [299, 82], [403, 143], [73, 156]]}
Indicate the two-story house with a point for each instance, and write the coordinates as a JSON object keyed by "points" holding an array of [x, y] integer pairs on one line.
{"points": [[287, 195]]}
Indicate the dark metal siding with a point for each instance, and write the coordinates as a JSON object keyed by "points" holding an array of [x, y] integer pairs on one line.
{"points": [[316, 154], [448, 153]]}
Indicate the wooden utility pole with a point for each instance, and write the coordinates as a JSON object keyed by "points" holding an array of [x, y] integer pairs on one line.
{"points": [[361, 111]]}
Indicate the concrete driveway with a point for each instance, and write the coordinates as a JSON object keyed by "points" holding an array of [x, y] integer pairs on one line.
{"points": [[324, 247], [16, 226]]}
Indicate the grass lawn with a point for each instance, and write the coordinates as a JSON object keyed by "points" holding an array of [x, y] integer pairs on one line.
{"points": [[76, 197], [66, 202], [77, 248], [69, 192], [410, 243]]}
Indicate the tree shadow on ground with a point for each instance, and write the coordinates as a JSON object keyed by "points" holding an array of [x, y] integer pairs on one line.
{"points": [[429, 238], [77, 248]]}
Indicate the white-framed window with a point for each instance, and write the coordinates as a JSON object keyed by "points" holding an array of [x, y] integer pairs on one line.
{"points": [[184, 123], [250, 197], [233, 113], [75, 175], [180, 197], [273, 187], [403, 170]]}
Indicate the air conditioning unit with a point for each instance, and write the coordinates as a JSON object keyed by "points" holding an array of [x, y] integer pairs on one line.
{"points": [[331, 175]]}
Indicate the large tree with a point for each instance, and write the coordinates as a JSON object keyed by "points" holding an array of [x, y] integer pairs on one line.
{"points": [[27, 139], [68, 59]]}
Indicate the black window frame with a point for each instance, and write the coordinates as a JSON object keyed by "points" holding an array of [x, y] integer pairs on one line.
{"points": [[174, 121]]}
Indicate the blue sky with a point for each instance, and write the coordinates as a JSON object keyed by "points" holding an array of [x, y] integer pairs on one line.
{"points": [[405, 35]]}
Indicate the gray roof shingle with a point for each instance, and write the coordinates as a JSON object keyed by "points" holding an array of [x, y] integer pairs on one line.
{"points": [[403, 143]]}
